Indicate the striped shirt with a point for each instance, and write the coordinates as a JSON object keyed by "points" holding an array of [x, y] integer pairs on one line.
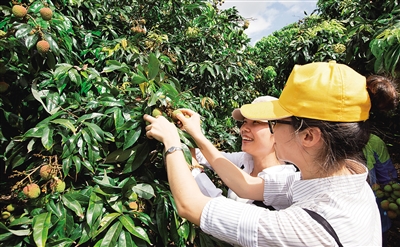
{"points": [[346, 202]]}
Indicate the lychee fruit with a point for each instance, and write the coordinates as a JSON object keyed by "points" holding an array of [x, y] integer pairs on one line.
{"points": [[5, 215], [133, 205], [43, 46], [4, 86], [393, 206], [46, 13], [174, 113], [156, 112], [58, 185], [32, 191], [385, 204], [19, 11], [45, 172], [10, 208]]}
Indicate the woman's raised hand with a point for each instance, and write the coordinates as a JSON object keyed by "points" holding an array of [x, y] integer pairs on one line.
{"points": [[190, 122]]}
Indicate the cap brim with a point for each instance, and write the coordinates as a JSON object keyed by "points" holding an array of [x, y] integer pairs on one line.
{"points": [[270, 110], [237, 115]]}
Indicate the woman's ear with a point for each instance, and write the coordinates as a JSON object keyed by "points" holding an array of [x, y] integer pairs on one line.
{"points": [[311, 136]]}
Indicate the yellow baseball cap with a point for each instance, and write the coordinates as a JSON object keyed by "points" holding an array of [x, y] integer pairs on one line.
{"points": [[322, 90]]}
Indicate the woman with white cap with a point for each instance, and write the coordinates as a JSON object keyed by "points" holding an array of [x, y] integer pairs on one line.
{"points": [[257, 158], [319, 124]]}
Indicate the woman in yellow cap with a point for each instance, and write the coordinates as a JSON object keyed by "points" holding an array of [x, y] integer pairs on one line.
{"points": [[319, 124]]}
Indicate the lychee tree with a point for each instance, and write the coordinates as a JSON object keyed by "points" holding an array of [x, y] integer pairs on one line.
{"points": [[77, 77]]}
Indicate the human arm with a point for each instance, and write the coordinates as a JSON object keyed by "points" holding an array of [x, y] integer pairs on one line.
{"points": [[240, 182], [188, 197]]}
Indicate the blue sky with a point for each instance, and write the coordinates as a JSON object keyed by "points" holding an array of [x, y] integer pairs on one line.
{"points": [[268, 16]]}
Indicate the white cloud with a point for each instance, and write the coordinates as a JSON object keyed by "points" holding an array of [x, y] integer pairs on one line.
{"points": [[269, 16]]}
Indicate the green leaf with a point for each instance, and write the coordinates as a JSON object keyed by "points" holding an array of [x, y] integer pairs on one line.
{"points": [[137, 79], [111, 237], [23, 31], [162, 220], [136, 160], [72, 204], [154, 66], [24, 232], [136, 231], [120, 155], [47, 138], [145, 191], [125, 239], [96, 131], [106, 221], [74, 76], [40, 225], [66, 123], [61, 69], [89, 116], [132, 137], [38, 95], [94, 209]]}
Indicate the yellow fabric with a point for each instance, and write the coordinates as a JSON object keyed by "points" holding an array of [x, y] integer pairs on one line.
{"points": [[321, 90]]}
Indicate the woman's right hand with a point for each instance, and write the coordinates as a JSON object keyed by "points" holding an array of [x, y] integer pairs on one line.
{"points": [[190, 122]]}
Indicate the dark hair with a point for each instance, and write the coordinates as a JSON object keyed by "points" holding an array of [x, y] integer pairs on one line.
{"points": [[383, 92], [345, 140]]}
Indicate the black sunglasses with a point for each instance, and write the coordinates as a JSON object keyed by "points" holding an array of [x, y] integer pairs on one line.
{"points": [[272, 124]]}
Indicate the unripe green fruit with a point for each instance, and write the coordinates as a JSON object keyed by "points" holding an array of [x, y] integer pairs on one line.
{"points": [[46, 13], [396, 186], [19, 11], [10, 208], [174, 113], [387, 188], [385, 204], [59, 186], [375, 187], [32, 191], [156, 112], [5, 215], [379, 193], [43, 46], [396, 193], [45, 172], [398, 201], [393, 206]]}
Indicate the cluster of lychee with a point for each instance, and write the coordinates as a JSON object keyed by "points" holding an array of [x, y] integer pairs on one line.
{"points": [[46, 13], [168, 113], [390, 195], [20, 11], [47, 173], [139, 26], [6, 213]]}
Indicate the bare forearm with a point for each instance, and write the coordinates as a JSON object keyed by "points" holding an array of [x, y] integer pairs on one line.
{"points": [[237, 180], [188, 197]]}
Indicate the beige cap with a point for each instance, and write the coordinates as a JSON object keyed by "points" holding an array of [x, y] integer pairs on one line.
{"points": [[237, 115]]}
